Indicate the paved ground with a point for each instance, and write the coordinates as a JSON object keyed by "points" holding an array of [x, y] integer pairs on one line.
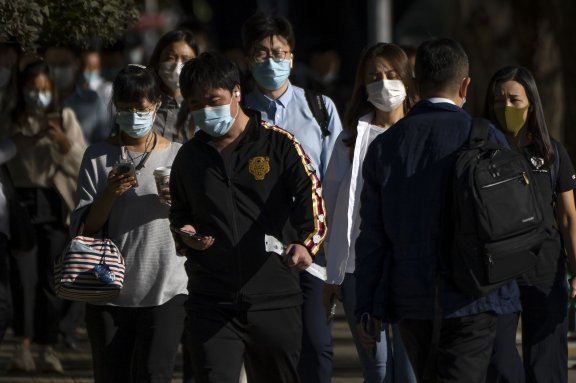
{"points": [[78, 367], [78, 364]]}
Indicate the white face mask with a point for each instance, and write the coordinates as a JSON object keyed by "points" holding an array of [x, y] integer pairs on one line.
{"points": [[93, 79], [169, 72], [386, 95]]}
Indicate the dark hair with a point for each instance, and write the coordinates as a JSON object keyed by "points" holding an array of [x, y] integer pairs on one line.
{"points": [[170, 38], [260, 26], [208, 71], [441, 64], [359, 104], [30, 71], [535, 122], [134, 83]]}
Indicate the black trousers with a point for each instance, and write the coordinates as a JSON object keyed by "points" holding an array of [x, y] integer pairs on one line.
{"points": [[135, 344], [5, 295], [506, 364], [220, 339], [544, 338], [36, 307], [464, 347]]}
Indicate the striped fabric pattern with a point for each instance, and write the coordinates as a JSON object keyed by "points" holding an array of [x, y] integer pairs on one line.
{"points": [[314, 240], [75, 278]]}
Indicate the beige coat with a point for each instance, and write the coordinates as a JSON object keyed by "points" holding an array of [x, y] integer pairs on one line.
{"points": [[44, 165]]}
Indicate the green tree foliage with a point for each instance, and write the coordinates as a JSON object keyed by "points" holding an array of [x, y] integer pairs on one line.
{"points": [[21, 21], [41, 23]]}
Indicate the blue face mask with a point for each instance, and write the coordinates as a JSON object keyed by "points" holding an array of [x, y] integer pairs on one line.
{"points": [[135, 124], [39, 100], [216, 120], [270, 74]]}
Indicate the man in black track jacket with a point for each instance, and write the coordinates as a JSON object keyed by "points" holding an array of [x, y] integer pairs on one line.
{"points": [[238, 183]]}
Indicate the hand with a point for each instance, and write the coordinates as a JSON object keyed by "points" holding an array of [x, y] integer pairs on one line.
{"points": [[164, 195], [369, 333], [329, 296], [54, 131], [56, 134], [23, 142], [118, 184], [297, 256], [573, 287], [201, 244]]}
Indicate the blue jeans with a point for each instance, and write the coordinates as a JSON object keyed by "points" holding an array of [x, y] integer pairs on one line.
{"points": [[315, 364], [391, 363]]}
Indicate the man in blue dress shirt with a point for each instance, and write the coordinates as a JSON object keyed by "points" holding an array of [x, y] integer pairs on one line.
{"points": [[406, 177], [268, 43]]}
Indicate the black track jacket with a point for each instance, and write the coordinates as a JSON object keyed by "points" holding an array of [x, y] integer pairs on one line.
{"points": [[268, 184]]}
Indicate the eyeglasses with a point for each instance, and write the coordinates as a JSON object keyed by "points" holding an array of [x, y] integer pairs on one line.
{"points": [[262, 54], [139, 112]]}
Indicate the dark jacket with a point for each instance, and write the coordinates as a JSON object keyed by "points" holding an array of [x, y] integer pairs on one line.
{"points": [[406, 177], [267, 184]]}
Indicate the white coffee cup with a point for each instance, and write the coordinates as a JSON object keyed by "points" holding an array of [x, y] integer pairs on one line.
{"points": [[162, 178]]}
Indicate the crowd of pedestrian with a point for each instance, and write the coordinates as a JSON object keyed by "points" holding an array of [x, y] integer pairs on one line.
{"points": [[276, 210]]}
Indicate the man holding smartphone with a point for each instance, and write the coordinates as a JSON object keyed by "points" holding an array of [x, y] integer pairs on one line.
{"points": [[239, 182]]}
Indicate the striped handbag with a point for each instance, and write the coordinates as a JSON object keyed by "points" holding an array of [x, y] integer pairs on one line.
{"points": [[90, 270]]}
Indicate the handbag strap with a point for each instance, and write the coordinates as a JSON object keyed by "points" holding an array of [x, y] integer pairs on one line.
{"points": [[80, 230]]}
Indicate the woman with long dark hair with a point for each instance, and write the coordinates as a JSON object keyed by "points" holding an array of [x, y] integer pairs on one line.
{"points": [[171, 52], [513, 105], [383, 93], [44, 178]]}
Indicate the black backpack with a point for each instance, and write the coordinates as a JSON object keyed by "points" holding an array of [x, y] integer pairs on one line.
{"points": [[496, 226]]}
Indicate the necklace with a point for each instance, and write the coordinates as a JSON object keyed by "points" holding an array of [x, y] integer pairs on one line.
{"points": [[146, 145], [142, 157]]}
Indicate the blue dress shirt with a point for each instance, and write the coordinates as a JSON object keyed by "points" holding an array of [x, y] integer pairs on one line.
{"points": [[292, 113]]}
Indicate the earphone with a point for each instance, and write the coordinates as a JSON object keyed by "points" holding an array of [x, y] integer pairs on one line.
{"points": [[237, 93]]}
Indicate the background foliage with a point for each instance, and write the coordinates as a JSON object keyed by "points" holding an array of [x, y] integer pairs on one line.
{"points": [[37, 24]]}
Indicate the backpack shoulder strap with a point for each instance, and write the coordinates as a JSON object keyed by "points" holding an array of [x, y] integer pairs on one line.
{"points": [[318, 109], [478, 132]]}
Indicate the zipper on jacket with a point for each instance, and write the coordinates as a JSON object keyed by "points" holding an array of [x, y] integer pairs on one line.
{"points": [[522, 176], [228, 173]]}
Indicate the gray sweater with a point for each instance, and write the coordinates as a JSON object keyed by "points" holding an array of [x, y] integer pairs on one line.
{"points": [[138, 225]]}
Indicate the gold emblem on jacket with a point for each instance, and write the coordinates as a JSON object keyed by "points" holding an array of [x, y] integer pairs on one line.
{"points": [[259, 167]]}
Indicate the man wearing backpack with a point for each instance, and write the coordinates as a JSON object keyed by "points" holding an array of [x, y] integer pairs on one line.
{"points": [[401, 247], [313, 120]]}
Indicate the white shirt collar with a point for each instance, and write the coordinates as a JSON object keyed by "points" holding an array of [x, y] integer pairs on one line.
{"points": [[437, 100]]}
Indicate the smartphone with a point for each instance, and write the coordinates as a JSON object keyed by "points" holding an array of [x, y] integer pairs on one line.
{"points": [[126, 168], [54, 117], [195, 236]]}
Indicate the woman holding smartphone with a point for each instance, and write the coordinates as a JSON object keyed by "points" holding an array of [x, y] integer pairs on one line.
{"points": [[45, 180], [383, 93], [135, 336]]}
